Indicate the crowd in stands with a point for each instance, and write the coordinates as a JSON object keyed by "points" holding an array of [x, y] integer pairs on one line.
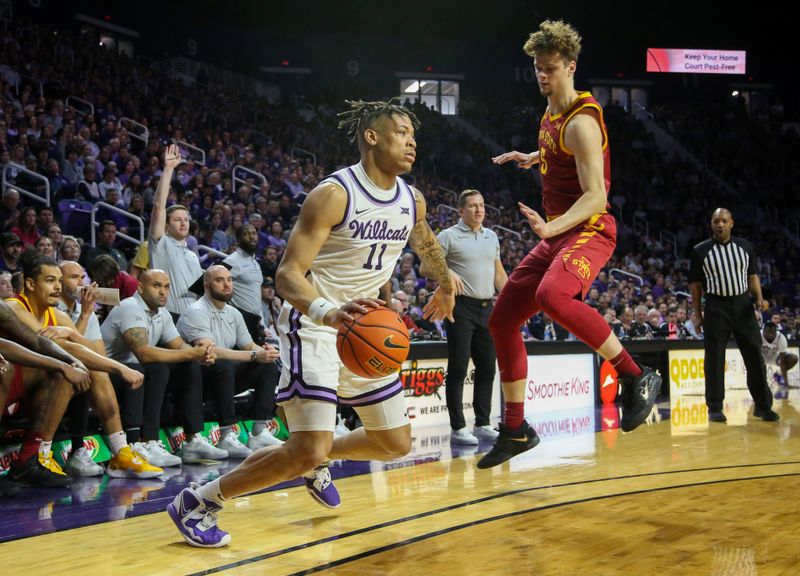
{"points": [[89, 156]]}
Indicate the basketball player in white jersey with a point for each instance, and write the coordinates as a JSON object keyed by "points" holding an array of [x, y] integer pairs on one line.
{"points": [[350, 232]]}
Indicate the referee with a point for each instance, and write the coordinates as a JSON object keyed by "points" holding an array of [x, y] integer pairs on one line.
{"points": [[724, 268], [472, 253]]}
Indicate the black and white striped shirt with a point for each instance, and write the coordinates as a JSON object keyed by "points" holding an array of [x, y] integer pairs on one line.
{"points": [[723, 268]]}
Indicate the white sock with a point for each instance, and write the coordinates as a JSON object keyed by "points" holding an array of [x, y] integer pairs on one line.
{"points": [[258, 427], [212, 491], [45, 447], [224, 431], [117, 441]]}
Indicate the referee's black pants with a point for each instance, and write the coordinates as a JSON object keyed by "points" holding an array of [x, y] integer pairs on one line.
{"points": [[722, 316], [469, 336]]}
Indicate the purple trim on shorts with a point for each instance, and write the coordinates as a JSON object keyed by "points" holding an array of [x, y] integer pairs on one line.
{"points": [[298, 386], [374, 396], [303, 390], [346, 216], [370, 196]]}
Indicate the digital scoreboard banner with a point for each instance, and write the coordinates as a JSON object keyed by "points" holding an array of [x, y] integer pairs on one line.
{"points": [[696, 61]]}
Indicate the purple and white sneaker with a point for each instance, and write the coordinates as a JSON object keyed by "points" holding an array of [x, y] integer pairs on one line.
{"points": [[320, 485], [196, 519]]}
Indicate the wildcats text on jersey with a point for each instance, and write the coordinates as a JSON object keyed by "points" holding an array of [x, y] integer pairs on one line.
{"points": [[377, 230]]}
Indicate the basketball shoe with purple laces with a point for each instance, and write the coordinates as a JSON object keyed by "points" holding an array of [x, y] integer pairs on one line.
{"points": [[196, 519], [320, 485]]}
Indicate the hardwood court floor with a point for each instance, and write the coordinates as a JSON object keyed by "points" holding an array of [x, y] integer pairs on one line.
{"points": [[678, 496]]}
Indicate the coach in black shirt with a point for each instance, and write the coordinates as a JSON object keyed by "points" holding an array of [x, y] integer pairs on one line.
{"points": [[724, 268]]}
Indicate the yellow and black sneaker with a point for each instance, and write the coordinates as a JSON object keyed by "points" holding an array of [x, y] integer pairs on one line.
{"points": [[131, 464], [40, 470]]}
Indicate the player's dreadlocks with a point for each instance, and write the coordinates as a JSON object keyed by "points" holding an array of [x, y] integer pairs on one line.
{"points": [[362, 114]]}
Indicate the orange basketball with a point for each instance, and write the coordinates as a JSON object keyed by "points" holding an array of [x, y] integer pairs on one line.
{"points": [[375, 344]]}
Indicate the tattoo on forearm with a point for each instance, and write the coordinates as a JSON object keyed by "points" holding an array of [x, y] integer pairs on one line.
{"points": [[427, 247]]}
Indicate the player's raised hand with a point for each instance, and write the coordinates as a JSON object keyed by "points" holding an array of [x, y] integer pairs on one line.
{"points": [[440, 305], [522, 159], [335, 318], [172, 156], [537, 223]]}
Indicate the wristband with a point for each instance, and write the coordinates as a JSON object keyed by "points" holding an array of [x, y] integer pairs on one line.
{"points": [[318, 309]]}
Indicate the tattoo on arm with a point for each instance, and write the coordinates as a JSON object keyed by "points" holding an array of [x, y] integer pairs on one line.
{"points": [[18, 332], [423, 241], [136, 338]]}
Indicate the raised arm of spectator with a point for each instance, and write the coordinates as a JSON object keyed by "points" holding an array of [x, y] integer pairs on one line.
{"points": [[158, 217]]}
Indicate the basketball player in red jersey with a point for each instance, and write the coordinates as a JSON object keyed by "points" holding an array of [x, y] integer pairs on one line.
{"points": [[578, 237]]}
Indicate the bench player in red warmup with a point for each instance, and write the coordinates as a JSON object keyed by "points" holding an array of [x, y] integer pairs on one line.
{"points": [[578, 237]]}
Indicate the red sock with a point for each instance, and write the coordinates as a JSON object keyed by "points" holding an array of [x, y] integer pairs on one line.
{"points": [[514, 413], [624, 364], [30, 446]]}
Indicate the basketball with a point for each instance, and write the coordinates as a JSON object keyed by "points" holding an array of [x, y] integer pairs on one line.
{"points": [[375, 344]]}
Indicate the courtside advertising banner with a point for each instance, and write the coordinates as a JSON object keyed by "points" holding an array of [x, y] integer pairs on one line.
{"points": [[686, 372], [559, 382], [424, 390]]}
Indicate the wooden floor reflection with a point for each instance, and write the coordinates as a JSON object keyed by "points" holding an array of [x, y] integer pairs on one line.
{"points": [[678, 496]]}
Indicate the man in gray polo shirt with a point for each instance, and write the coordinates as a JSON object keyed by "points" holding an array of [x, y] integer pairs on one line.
{"points": [[140, 333], [211, 320], [169, 228], [246, 274], [472, 253]]}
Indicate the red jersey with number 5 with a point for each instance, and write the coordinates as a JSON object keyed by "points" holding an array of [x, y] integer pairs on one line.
{"points": [[560, 184]]}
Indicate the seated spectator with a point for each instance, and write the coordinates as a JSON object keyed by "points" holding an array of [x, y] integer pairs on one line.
{"points": [[56, 237], [623, 328], [106, 239], [400, 301], [640, 328], [12, 249], [140, 333], [6, 289], [26, 227], [547, 330], [654, 322], [70, 249], [106, 273], [87, 188], [240, 364], [44, 246], [109, 182]]}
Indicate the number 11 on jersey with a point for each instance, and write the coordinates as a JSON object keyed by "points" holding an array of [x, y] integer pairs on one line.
{"points": [[379, 263]]}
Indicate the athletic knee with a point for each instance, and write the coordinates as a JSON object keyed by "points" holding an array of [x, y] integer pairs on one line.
{"points": [[396, 444], [550, 299], [305, 456]]}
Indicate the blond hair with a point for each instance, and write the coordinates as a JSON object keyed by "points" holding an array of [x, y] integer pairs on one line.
{"points": [[554, 36]]}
